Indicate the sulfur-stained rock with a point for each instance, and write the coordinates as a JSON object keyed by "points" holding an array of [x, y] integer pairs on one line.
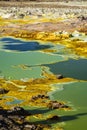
{"points": [[21, 16], [55, 117], [18, 111], [59, 76], [82, 17], [30, 127], [3, 91], [39, 96], [57, 105]]}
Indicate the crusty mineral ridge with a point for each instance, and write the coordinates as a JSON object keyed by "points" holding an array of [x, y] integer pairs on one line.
{"points": [[29, 92]]}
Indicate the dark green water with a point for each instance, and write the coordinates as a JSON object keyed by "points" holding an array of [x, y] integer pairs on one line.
{"points": [[15, 53], [70, 68]]}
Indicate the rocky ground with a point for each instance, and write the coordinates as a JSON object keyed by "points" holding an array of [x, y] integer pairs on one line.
{"points": [[46, 24], [15, 119], [44, 16]]}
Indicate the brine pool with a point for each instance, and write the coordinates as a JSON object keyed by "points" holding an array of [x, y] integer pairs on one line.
{"points": [[21, 59]]}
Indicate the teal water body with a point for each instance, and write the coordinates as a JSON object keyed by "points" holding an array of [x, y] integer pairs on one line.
{"points": [[71, 68], [74, 93], [14, 101], [21, 59]]}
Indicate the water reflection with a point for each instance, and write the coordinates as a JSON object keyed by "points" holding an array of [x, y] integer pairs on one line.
{"points": [[19, 45], [73, 117], [60, 119]]}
